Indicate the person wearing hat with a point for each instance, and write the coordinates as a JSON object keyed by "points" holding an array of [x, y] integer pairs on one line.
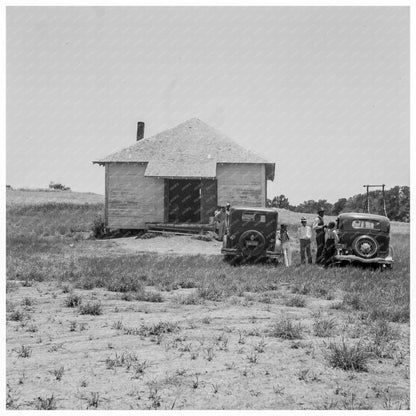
{"points": [[319, 226], [305, 237]]}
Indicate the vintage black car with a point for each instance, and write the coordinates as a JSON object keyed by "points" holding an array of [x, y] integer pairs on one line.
{"points": [[251, 234], [363, 238]]}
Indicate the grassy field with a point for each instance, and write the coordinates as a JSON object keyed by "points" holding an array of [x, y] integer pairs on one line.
{"points": [[92, 327]]}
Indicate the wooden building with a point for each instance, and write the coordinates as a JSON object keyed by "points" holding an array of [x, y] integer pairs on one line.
{"points": [[180, 176]]}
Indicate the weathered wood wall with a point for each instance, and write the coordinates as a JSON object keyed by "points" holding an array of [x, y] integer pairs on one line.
{"points": [[241, 184], [132, 199]]}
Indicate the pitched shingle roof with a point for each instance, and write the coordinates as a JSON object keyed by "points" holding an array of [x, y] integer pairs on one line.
{"points": [[191, 149]]}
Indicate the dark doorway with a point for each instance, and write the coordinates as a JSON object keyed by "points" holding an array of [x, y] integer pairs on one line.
{"points": [[184, 196]]}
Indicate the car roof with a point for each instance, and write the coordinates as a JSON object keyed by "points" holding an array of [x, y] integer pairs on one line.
{"points": [[257, 209], [363, 216]]}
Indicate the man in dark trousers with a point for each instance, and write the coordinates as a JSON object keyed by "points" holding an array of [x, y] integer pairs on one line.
{"points": [[319, 227]]}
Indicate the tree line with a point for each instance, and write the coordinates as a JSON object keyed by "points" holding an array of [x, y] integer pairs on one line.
{"points": [[397, 204]]}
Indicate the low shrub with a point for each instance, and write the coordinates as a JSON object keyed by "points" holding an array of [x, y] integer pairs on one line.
{"points": [[323, 327], [73, 300], [348, 357], [98, 226], [45, 403], [286, 329], [90, 308], [296, 301]]}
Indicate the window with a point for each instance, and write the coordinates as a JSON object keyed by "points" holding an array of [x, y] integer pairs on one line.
{"points": [[253, 217], [366, 224]]}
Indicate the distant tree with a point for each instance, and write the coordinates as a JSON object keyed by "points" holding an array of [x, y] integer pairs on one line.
{"points": [[58, 186], [339, 206], [280, 201]]}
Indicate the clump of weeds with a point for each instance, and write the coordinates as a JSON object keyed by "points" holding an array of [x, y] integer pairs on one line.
{"points": [[348, 357], [90, 308], [25, 351], [93, 400], [45, 403], [58, 373], [260, 347], [296, 301], [252, 358], [117, 325], [27, 302], [286, 329], [139, 368], [73, 300], [323, 327], [17, 316]]}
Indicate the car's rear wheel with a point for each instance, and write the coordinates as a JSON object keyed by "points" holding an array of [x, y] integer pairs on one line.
{"points": [[252, 243], [365, 246]]}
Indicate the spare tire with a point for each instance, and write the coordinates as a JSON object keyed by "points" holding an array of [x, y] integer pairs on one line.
{"points": [[365, 246], [251, 243]]}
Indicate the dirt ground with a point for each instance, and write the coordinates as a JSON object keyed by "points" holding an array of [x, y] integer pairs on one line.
{"points": [[172, 244], [216, 355]]}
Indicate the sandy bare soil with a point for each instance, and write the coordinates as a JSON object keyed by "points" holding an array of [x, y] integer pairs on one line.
{"points": [[174, 244], [217, 355]]}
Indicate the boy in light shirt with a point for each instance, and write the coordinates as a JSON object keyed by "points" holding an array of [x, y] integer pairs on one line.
{"points": [[305, 236]]}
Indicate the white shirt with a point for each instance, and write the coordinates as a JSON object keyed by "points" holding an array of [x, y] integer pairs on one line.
{"points": [[304, 232]]}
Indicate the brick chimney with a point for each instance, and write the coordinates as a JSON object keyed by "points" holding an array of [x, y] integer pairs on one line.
{"points": [[140, 130]]}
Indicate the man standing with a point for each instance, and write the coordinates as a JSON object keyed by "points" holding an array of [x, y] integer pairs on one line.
{"points": [[220, 218], [319, 227], [305, 236], [227, 217]]}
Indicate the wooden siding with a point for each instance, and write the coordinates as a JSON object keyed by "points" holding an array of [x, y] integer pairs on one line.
{"points": [[241, 184], [132, 198]]}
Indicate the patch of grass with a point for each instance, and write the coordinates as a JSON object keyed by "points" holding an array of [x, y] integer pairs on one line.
{"points": [[124, 283], [286, 329], [11, 286], [45, 403], [191, 299], [17, 316], [139, 368], [73, 300], [296, 301], [252, 358], [93, 400], [210, 291], [58, 373], [381, 343], [323, 327], [125, 359], [90, 308], [348, 357], [162, 327], [27, 302], [25, 351]]}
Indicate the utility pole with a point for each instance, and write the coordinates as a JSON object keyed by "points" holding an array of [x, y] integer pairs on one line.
{"points": [[368, 196]]}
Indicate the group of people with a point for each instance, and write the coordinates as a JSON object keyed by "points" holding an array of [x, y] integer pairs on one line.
{"points": [[326, 237], [326, 240]]}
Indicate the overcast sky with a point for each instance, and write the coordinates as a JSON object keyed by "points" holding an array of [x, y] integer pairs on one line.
{"points": [[323, 92]]}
